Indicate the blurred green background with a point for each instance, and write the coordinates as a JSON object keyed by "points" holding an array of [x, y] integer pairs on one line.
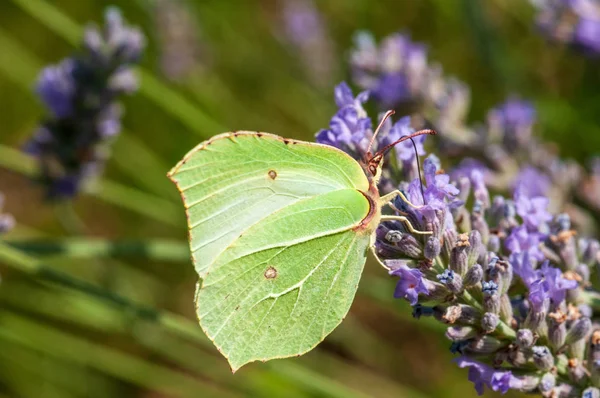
{"points": [[98, 322]]}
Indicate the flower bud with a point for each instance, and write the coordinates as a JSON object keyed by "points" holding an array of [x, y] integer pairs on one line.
{"points": [[452, 280], [464, 188], [577, 349], [590, 252], [479, 224], [480, 191], [557, 329], [497, 209], [476, 249], [501, 273], [421, 310], [585, 310], [591, 392], [491, 303], [449, 239], [432, 248], [577, 373], [489, 322], [484, 345], [583, 272], [563, 222], [567, 251], [459, 255], [474, 276], [563, 391], [542, 358], [593, 359], [494, 243], [460, 314], [459, 347], [460, 333], [506, 309], [536, 321], [579, 330], [517, 357], [547, 382], [525, 338], [406, 245]]}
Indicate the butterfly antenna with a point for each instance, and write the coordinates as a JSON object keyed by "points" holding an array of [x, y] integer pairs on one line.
{"points": [[385, 117], [410, 137], [419, 169], [406, 137]]}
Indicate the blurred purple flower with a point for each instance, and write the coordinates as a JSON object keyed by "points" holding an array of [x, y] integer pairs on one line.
{"points": [[305, 29], [81, 94], [350, 128], [531, 182], [182, 53], [466, 167], [512, 122], [56, 87], [393, 72], [573, 22]]}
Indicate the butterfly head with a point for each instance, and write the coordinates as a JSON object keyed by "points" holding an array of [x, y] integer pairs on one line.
{"points": [[374, 161]]}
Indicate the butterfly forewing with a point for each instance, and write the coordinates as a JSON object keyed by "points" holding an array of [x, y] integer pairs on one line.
{"points": [[273, 235]]}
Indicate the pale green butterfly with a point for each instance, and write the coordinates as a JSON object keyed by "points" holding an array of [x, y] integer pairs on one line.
{"points": [[279, 231]]}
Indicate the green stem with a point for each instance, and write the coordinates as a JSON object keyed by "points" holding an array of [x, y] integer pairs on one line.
{"points": [[16, 259], [159, 250]]}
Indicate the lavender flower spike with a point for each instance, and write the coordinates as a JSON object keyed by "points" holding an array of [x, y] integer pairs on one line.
{"points": [[504, 275], [81, 95]]}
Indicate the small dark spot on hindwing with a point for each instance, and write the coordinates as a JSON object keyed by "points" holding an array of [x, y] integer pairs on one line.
{"points": [[272, 174], [271, 273]]}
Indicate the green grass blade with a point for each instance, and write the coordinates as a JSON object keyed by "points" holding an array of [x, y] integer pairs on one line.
{"points": [[82, 248]]}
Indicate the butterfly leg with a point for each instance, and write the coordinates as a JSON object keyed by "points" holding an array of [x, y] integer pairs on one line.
{"points": [[374, 252], [389, 198], [406, 222]]}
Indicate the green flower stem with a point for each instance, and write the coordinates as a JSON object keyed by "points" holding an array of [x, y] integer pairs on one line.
{"points": [[159, 250], [130, 198]]}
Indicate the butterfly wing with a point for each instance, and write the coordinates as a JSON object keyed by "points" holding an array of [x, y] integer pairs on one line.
{"points": [[273, 233]]}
